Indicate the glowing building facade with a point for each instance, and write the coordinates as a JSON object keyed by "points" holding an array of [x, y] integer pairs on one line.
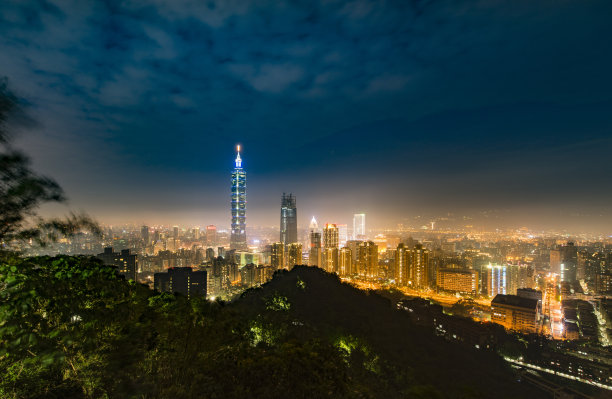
{"points": [[238, 235], [359, 232], [314, 255], [288, 220]]}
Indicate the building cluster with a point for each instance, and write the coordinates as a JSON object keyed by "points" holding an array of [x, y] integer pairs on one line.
{"points": [[507, 270]]}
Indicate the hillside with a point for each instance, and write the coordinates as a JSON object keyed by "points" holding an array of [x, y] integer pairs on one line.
{"points": [[70, 327], [310, 299]]}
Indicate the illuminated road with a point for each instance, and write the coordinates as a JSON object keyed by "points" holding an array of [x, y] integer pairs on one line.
{"points": [[444, 299]]}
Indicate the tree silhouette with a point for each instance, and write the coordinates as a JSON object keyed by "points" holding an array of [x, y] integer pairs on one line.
{"points": [[22, 191]]}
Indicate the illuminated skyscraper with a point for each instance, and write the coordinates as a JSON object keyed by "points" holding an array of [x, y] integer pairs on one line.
{"points": [[345, 260], [359, 232], [330, 236], [330, 250], [367, 259], [294, 254], [497, 280], [314, 255], [420, 267], [211, 235], [403, 258], [277, 256], [288, 221], [342, 234], [238, 236]]}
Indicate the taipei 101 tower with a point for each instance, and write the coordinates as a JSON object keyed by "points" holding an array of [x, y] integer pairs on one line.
{"points": [[238, 238]]}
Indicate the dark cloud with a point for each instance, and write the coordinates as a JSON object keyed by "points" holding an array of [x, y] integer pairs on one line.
{"points": [[466, 105]]}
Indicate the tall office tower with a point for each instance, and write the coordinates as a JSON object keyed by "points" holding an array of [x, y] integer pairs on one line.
{"points": [[420, 267], [569, 262], [359, 232], [196, 233], [238, 236], [330, 248], [288, 220], [175, 232], [182, 280], [342, 234], [345, 260], [277, 255], [330, 236], [367, 259], [294, 254], [210, 254], [211, 235], [403, 259], [314, 256], [144, 232]]}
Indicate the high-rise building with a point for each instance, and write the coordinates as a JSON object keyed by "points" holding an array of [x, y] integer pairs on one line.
{"points": [[181, 280], [314, 254], [569, 263], [330, 236], [125, 262], [420, 267], [330, 248], [288, 220], [342, 234], [403, 260], [564, 261], [196, 233], [211, 235], [175, 232], [210, 254], [238, 235], [502, 279], [359, 231], [277, 255], [144, 233], [294, 254], [367, 259], [345, 260]]}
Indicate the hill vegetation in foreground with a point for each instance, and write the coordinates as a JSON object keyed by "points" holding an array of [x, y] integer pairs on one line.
{"points": [[72, 328]]}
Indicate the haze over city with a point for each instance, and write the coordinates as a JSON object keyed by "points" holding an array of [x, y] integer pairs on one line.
{"points": [[499, 111]]}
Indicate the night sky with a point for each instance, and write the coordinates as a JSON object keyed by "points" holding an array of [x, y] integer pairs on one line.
{"points": [[393, 108]]}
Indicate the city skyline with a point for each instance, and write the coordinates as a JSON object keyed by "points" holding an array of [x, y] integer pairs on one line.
{"points": [[432, 114], [326, 199]]}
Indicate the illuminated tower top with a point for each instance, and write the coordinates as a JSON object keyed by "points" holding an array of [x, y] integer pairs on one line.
{"points": [[314, 226], [238, 159]]}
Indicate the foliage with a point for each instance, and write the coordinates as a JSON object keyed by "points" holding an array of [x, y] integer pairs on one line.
{"points": [[71, 327]]}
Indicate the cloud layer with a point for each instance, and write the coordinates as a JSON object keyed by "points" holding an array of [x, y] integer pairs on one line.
{"points": [[446, 105]]}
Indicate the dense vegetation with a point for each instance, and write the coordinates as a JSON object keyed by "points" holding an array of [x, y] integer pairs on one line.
{"points": [[72, 328]]}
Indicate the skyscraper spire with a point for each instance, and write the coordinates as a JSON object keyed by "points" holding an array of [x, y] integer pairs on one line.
{"points": [[313, 224], [238, 159]]}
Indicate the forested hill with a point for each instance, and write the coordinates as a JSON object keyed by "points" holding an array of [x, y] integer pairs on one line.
{"points": [[399, 358], [72, 328]]}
